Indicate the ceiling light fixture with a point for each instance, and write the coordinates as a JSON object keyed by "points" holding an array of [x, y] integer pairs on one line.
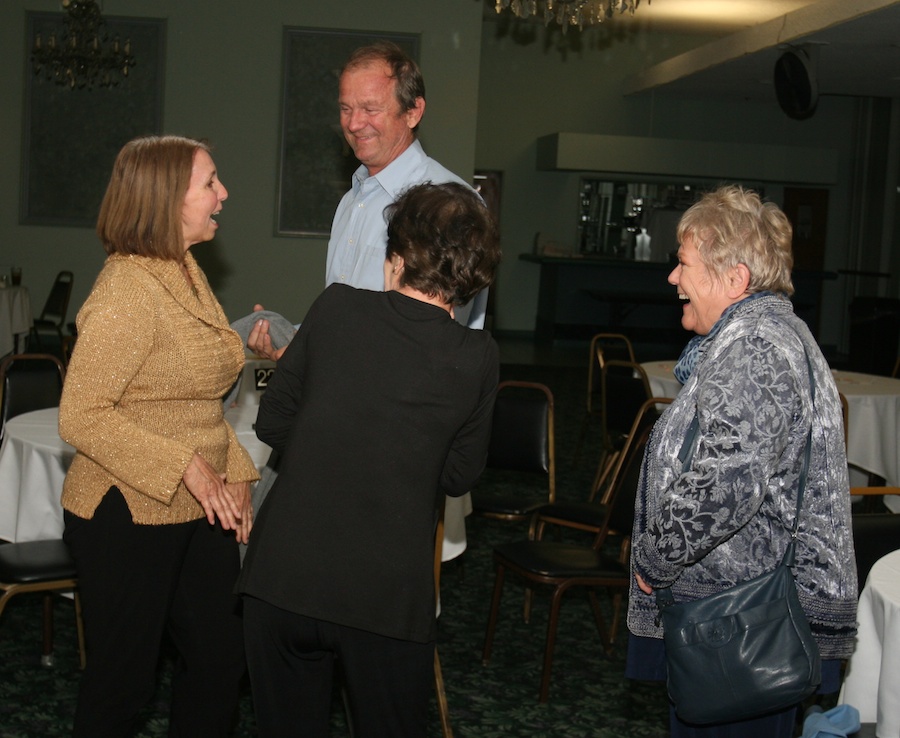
{"points": [[567, 13], [83, 55]]}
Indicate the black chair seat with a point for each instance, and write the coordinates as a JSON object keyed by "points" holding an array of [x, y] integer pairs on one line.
{"points": [[505, 504], [32, 562], [559, 560]]}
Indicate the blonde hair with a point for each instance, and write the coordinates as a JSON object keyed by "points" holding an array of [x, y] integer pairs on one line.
{"points": [[141, 212], [732, 226]]}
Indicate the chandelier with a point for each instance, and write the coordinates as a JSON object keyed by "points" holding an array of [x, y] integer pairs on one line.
{"points": [[83, 55], [567, 13]]}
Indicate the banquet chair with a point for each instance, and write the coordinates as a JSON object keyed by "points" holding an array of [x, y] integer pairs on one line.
{"points": [[625, 388], [589, 515], [29, 382], [53, 315], [41, 566], [562, 566], [875, 534], [604, 346], [522, 449]]}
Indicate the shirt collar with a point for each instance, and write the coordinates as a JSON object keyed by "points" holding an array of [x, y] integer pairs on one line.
{"points": [[394, 177]]}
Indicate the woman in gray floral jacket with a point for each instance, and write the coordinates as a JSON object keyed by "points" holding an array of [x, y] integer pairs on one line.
{"points": [[727, 518]]}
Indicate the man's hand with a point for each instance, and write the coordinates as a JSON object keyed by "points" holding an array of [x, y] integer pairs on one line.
{"points": [[260, 342]]}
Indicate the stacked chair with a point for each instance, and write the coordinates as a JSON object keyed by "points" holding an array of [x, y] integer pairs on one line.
{"points": [[53, 315], [604, 347], [624, 390]]}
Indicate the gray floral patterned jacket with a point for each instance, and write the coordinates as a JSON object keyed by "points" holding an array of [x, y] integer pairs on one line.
{"points": [[727, 518]]}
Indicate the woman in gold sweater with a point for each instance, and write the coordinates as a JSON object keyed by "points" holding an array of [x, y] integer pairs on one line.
{"points": [[157, 496]]}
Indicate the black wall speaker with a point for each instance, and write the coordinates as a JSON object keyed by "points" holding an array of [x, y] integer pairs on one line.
{"points": [[795, 84]]}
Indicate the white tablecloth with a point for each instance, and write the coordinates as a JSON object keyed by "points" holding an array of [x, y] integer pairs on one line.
{"points": [[15, 317], [872, 680], [34, 460], [874, 418], [33, 464]]}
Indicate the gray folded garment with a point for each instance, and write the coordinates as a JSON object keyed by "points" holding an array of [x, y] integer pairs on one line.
{"points": [[281, 330]]}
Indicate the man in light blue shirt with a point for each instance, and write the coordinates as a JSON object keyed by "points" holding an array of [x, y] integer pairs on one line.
{"points": [[382, 100]]}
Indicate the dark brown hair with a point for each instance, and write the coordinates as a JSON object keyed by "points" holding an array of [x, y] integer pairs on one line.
{"points": [[141, 211], [447, 238]]}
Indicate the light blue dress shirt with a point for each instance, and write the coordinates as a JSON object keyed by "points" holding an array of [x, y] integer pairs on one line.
{"points": [[359, 231]]}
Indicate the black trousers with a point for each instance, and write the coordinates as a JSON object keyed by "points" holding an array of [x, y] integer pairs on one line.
{"points": [[388, 682], [137, 582]]}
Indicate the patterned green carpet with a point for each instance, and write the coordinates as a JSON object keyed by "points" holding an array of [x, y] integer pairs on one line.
{"points": [[589, 698]]}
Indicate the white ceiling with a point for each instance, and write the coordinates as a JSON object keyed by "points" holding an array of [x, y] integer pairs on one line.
{"points": [[855, 46], [855, 43]]}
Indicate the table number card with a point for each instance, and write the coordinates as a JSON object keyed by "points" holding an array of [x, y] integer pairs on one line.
{"points": [[262, 375]]}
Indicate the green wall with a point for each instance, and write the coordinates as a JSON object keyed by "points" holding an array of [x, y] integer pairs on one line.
{"points": [[223, 83], [491, 94]]}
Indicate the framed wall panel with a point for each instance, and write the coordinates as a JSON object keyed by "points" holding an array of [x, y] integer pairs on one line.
{"points": [[316, 163], [71, 136]]}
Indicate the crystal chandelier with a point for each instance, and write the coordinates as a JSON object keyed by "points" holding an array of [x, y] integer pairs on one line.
{"points": [[567, 13], [83, 55]]}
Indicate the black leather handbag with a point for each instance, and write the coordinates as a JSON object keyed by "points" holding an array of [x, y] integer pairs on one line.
{"points": [[743, 652]]}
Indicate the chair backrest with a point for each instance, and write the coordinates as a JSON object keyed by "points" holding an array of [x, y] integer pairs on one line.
{"points": [[57, 304], [874, 534], [604, 347], [522, 434], [29, 382], [625, 388], [845, 416], [624, 484]]}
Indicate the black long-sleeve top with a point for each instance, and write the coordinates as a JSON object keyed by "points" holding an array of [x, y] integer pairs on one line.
{"points": [[380, 406]]}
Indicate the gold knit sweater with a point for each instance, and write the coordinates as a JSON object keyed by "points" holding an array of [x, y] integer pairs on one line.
{"points": [[144, 389]]}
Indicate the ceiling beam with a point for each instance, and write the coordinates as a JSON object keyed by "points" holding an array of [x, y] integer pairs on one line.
{"points": [[786, 29]]}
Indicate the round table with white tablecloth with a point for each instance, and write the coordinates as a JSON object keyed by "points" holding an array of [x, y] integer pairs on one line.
{"points": [[34, 460], [33, 464], [872, 679]]}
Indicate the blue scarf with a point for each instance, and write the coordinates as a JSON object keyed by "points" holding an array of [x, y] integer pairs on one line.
{"points": [[687, 362]]}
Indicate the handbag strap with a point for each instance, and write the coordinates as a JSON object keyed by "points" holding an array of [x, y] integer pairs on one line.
{"points": [[804, 471], [664, 596]]}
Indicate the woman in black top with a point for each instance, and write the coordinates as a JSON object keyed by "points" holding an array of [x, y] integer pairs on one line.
{"points": [[381, 405]]}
